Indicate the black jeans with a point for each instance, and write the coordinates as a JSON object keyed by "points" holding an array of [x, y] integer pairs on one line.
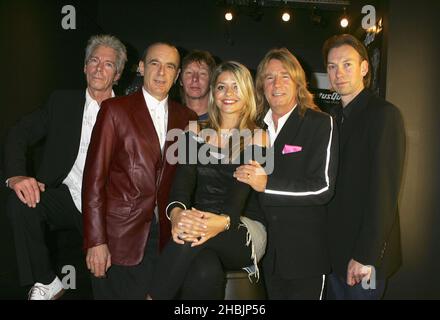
{"points": [[308, 288], [56, 209], [338, 289], [198, 272], [130, 282]]}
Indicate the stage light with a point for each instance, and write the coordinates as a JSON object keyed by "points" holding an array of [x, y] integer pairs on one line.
{"points": [[344, 20], [286, 13], [229, 16]]}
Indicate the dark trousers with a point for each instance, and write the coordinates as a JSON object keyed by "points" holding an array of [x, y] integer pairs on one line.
{"points": [[198, 272], [130, 282], [338, 289], [308, 288], [56, 209]]}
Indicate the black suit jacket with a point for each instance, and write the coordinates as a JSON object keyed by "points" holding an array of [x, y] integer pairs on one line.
{"points": [[296, 194], [363, 216], [59, 122]]}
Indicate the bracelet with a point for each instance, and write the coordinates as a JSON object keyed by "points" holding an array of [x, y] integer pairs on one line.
{"points": [[182, 205], [228, 221]]}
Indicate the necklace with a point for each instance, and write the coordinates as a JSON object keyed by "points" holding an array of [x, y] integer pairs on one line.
{"points": [[225, 133]]}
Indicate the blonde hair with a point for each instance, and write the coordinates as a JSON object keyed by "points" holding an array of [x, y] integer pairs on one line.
{"points": [[247, 119], [303, 97], [248, 116]]}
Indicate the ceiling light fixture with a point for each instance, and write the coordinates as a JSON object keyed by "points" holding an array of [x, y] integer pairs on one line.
{"points": [[344, 20]]}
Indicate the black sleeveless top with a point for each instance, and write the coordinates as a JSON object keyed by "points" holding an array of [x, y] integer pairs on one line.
{"points": [[205, 180]]}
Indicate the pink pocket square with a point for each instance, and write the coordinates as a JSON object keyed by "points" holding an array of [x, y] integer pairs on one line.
{"points": [[291, 149]]}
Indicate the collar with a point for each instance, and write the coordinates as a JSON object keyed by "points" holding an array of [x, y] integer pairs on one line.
{"points": [[89, 98], [281, 121], [152, 102], [358, 100], [203, 117]]}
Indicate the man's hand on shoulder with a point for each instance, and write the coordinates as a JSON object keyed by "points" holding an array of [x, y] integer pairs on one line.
{"points": [[27, 189]]}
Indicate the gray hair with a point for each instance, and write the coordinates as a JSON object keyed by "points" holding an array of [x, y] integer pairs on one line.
{"points": [[110, 42]]}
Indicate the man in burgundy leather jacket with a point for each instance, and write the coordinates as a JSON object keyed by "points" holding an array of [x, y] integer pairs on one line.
{"points": [[127, 180]]}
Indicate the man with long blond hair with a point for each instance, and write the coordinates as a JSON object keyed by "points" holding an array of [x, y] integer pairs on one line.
{"points": [[293, 197]]}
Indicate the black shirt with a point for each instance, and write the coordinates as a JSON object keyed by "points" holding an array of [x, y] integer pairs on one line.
{"points": [[211, 186], [359, 99]]}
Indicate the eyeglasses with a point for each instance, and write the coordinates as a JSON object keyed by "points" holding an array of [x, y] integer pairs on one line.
{"points": [[95, 61]]}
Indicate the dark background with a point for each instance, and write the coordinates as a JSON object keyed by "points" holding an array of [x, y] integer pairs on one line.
{"points": [[38, 56]]}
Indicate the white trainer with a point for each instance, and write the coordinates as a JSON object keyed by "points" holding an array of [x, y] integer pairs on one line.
{"points": [[51, 291]]}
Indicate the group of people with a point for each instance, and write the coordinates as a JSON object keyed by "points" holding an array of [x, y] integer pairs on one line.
{"points": [[320, 209]]}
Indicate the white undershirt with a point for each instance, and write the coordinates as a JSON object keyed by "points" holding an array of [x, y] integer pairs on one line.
{"points": [[159, 114], [268, 119], [74, 179]]}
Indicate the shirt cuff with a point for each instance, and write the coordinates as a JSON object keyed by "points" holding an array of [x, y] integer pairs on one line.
{"points": [[176, 204]]}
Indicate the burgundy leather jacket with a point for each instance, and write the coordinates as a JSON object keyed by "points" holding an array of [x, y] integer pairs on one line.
{"points": [[125, 176]]}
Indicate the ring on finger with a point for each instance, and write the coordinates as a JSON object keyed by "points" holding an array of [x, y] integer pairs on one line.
{"points": [[181, 235]]}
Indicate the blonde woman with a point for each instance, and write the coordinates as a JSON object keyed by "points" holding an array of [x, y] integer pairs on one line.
{"points": [[206, 202]]}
